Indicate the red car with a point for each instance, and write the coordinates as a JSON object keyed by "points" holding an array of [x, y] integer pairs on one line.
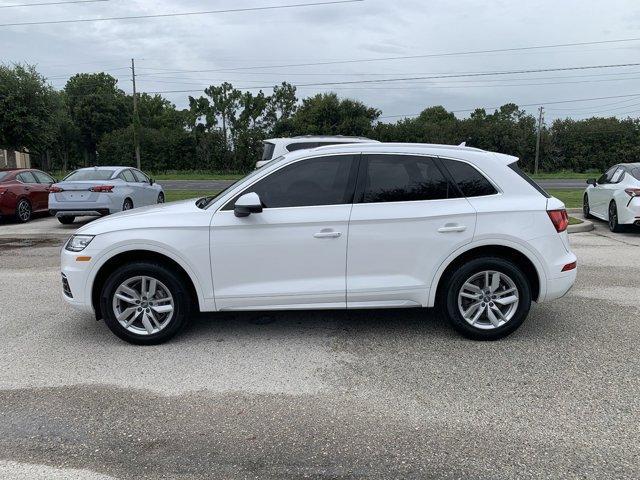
{"points": [[24, 192]]}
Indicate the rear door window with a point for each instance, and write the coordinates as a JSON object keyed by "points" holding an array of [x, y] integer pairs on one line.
{"points": [[403, 178], [26, 177], [617, 176]]}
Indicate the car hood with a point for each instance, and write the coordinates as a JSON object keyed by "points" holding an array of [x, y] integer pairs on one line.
{"points": [[165, 215]]}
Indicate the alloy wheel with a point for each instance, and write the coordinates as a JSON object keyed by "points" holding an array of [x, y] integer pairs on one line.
{"points": [[24, 211], [143, 305], [585, 207], [488, 299], [161, 198], [613, 217], [128, 205]]}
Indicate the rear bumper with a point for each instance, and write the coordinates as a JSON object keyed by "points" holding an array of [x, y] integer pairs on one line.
{"points": [[629, 213], [104, 204], [80, 213], [558, 287]]}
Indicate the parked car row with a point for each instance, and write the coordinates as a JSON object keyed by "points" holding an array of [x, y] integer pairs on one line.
{"points": [[93, 191]]}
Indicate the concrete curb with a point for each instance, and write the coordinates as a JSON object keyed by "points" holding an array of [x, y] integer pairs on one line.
{"points": [[585, 226], [574, 210]]}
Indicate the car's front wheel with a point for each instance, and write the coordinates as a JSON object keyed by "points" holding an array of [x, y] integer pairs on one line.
{"points": [[586, 209], [487, 298], [23, 211], [161, 197], [145, 303]]}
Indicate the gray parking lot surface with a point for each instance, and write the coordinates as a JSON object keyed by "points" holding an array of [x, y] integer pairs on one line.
{"points": [[366, 394]]}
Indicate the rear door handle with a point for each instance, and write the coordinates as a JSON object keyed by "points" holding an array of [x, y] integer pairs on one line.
{"points": [[327, 234], [452, 228]]}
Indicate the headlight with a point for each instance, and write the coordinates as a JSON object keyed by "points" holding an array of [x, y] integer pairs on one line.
{"points": [[77, 243]]}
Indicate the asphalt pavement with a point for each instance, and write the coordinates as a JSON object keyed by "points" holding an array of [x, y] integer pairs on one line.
{"points": [[363, 394], [215, 185]]}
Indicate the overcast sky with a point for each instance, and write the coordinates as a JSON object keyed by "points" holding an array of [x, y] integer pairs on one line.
{"points": [[371, 29]]}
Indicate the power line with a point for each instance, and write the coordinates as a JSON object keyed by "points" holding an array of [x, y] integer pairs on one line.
{"points": [[411, 57], [42, 4], [388, 80], [183, 14], [556, 102]]}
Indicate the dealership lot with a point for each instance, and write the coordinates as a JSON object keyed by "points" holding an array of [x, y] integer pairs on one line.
{"points": [[323, 394]]}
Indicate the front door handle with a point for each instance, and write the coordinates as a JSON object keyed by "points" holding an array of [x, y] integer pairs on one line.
{"points": [[327, 234], [452, 228]]}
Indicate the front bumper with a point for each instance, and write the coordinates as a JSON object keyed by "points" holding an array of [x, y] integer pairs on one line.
{"points": [[76, 274]]}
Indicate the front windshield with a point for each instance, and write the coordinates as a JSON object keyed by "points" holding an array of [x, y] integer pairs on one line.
{"points": [[205, 202], [83, 175]]}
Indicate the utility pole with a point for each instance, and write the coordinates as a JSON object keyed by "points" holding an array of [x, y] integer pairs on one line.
{"points": [[540, 119], [136, 119]]}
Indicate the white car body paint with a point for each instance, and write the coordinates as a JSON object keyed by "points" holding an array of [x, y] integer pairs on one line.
{"points": [[621, 178], [335, 256]]}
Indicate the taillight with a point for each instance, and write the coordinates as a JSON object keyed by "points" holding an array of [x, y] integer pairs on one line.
{"points": [[559, 218], [55, 189], [2, 190], [102, 188], [569, 266], [632, 192]]}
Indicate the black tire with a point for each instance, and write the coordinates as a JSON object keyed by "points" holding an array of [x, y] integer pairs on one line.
{"points": [[456, 279], [173, 282], [67, 220], [24, 211], [127, 204], [161, 197], [614, 226], [586, 209]]}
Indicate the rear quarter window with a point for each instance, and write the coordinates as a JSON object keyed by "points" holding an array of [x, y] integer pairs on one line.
{"points": [[469, 180], [635, 172], [514, 166]]}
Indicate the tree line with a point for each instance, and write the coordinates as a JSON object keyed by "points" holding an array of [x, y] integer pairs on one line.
{"points": [[91, 122]]}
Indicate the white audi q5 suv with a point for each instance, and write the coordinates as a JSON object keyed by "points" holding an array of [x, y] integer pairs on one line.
{"points": [[346, 226]]}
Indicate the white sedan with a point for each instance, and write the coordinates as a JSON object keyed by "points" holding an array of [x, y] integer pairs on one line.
{"points": [[99, 191], [615, 197], [345, 226]]}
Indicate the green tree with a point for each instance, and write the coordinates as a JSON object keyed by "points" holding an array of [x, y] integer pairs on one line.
{"points": [[96, 106], [27, 109]]}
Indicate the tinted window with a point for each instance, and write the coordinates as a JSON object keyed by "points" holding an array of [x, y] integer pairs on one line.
{"points": [[43, 177], [617, 176], [26, 177], [91, 174], [318, 181], [3, 174], [607, 176], [140, 177], [127, 176], [301, 146], [514, 166], [469, 180], [634, 171], [403, 178], [267, 154]]}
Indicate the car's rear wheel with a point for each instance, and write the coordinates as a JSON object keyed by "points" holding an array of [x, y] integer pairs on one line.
{"points": [[586, 209], [145, 303], [23, 211], [66, 220], [161, 197], [127, 204], [614, 226], [487, 298]]}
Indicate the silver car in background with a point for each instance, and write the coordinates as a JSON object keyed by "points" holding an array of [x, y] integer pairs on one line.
{"points": [[99, 191]]}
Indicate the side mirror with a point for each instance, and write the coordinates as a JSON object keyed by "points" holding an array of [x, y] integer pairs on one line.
{"points": [[592, 181], [151, 181], [247, 204]]}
